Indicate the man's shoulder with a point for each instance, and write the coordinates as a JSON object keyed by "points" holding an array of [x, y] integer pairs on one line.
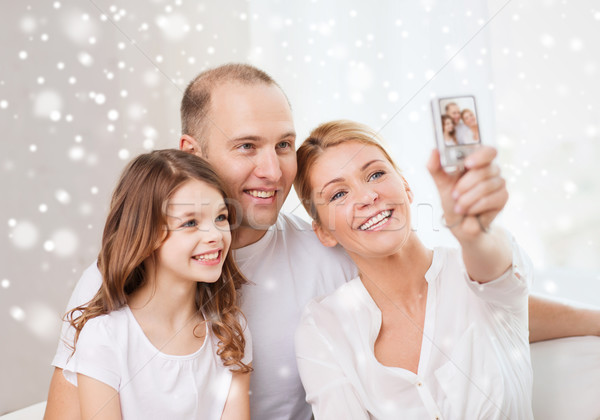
{"points": [[299, 234]]}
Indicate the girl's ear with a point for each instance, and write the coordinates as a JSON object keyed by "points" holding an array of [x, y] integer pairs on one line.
{"points": [[324, 235]]}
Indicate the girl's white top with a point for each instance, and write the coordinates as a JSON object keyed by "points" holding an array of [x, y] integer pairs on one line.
{"points": [[113, 349], [474, 361]]}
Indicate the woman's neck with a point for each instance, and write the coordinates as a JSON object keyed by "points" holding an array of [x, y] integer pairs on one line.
{"points": [[399, 277]]}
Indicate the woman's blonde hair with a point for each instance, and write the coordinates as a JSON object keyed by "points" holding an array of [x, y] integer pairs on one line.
{"points": [[135, 229], [325, 136]]}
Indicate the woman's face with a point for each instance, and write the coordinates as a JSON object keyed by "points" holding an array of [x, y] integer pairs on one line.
{"points": [[469, 118], [363, 203], [448, 125]]}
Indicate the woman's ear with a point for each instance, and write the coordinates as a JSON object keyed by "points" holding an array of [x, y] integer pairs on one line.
{"points": [[189, 144], [324, 235], [411, 195]]}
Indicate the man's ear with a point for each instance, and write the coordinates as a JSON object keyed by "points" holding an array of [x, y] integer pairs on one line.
{"points": [[324, 235], [189, 144]]}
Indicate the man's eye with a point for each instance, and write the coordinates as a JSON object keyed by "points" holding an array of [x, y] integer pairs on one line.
{"points": [[376, 175], [337, 195], [246, 146], [284, 145]]}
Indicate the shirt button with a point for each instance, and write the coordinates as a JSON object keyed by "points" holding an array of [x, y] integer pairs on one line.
{"points": [[419, 383]]}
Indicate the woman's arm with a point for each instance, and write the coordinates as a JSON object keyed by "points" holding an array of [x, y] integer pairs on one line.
{"points": [[471, 201], [98, 400], [237, 405]]}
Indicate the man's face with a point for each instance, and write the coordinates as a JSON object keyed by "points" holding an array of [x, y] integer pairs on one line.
{"points": [[454, 113], [251, 144]]}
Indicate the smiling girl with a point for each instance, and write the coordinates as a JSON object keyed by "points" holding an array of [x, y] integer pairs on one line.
{"points": [[421, 333], [163, 338]]}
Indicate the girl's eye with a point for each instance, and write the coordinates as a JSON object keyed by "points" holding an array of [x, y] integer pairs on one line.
{"points": [[376, 175], [190, 223], [221, 218], [337, 195]]}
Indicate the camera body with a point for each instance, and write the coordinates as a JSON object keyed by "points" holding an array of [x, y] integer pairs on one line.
{"points": [[455, 121]]}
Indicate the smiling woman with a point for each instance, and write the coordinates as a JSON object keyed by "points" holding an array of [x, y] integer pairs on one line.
{"points": [[420, 333]]}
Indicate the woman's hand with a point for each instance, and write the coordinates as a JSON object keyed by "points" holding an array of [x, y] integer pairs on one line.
{"points": [[471, 200]]}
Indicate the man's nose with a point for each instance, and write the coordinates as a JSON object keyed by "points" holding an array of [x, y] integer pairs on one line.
{"points": [[267, 166]]}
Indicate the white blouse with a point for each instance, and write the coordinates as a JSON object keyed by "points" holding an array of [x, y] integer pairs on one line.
{"points": [[474, 361], [113, 349]]}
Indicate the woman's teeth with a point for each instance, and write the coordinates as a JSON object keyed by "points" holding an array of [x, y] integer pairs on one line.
{"points": [[376, 221]]}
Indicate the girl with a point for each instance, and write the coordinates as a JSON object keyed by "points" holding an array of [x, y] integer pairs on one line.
{"points": [[449, 130], [420, 334], [163, 338]]}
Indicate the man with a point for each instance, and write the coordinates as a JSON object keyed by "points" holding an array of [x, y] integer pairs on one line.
{"points": [[463, 133], [239, 119]]}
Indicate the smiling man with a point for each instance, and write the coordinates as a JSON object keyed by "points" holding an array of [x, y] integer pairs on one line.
{"points": [[238, 118]]}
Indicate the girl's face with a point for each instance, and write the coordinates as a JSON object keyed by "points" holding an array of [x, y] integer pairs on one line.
{"points": [[448, 125], [363, 203], [197, 237], [468, 118]]}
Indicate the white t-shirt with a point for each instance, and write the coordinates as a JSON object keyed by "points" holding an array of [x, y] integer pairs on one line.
{"points": [[474, 361], [464, 135], [113, 349], [286, 268]]}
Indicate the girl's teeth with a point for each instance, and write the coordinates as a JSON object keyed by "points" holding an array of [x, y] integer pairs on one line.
{"points": [[204, 257]]}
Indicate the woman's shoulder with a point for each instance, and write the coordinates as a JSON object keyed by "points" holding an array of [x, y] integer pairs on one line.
{"points": [[346, 299]]}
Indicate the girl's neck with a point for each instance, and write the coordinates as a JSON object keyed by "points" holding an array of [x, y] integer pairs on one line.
{"points": [[399, 277], [172, 303]]}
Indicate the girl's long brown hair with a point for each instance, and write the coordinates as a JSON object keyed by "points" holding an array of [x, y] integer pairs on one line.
{"points": [[135, 229]]}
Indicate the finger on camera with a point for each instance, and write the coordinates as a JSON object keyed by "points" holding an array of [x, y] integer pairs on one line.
{"points": [[474, 177], [494, 201], [483, 156], [480, 190]]}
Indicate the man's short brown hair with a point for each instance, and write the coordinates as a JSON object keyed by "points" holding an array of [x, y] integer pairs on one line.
{"points": [[195, 105]]}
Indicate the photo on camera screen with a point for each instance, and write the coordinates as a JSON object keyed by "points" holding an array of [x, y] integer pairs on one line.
{"points": [[459, 121]]}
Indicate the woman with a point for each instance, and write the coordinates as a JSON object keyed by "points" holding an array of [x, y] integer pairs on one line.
{"points": [[420, 334], [164, 337], [471, 122], [449, 131]]}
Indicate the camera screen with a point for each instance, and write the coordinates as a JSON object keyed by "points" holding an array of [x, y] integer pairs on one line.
{"points": [[459, 121]]}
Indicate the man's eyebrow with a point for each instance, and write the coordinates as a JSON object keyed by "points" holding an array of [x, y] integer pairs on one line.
{"points": [[334, 180], [251, 137]]}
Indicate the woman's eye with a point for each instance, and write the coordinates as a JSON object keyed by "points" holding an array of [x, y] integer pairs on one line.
{"points": [[337, 195], [221, 218], [376, 175]]}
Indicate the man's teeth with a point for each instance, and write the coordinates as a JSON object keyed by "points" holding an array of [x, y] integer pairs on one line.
{"points": [[207, 257], [261, 194], [375, 221]]}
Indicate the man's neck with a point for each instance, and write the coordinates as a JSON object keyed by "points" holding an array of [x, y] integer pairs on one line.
{"points": [[245, 236]]}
